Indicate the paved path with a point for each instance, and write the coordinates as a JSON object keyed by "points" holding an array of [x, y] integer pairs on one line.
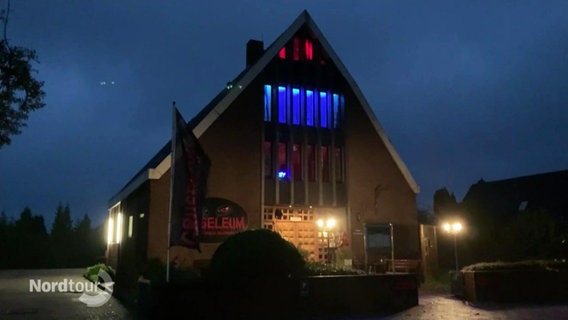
{"points": [[17, 302], [440, 305]]}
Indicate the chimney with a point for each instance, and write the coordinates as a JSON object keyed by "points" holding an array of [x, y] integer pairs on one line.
{"points": [[255, 49]]}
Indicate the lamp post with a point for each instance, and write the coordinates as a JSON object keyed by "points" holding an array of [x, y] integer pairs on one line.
{"points": [[326, 226], [454, 228]]}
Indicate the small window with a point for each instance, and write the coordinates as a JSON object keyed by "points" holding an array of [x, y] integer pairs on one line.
{"points": [[310, 108], [296, 113], [324, 110], [296, 49], [309, 50], [282, 109], [282, 53], [336, 110], [267, 102]]}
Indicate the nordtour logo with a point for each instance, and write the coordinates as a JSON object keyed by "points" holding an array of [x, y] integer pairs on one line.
{"points": [[93, 294]]}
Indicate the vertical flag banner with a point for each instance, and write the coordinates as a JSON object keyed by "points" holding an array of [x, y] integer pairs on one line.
{"points": [[190, 168]]}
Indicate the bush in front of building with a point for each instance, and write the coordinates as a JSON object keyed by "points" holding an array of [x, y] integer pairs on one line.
{"points": [[92, 272], [255, 254]]}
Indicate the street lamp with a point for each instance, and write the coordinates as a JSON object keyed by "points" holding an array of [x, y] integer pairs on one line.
{"points": [[326, 226], [454, 228]]}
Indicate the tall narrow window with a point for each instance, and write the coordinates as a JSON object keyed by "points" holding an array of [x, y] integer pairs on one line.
{"points": [[267, 159], [282, 53], [297, 161], [267, 102], [296, 106], [310, 108], [311, 155], [324, 156], [282, 110], [338, 159], [309, 50], [282, 164], [336, 111], [324, 110], [296, 49]]}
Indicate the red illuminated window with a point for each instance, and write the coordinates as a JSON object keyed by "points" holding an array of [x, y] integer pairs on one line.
{"points": [[309, 50], [267, 159], [311, 153], [282, 53], [297, 161], [282, 165], [324, 156], [296, 49]]}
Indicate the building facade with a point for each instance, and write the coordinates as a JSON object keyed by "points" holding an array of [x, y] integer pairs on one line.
{"points": [[294, 143]]}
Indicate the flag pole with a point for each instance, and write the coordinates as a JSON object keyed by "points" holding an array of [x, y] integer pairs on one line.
{"points": [[174, 129]]}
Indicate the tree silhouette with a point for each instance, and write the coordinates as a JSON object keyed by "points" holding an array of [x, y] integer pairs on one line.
{"points": [[20, 92]]}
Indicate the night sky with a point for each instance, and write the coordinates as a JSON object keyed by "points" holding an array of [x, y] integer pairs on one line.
{"points": [[464, 89]]}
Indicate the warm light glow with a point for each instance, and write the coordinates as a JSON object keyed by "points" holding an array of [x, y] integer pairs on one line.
{"points": [[452, 227], [130, 223], [330, 223], [110, 230], [320, 223], [118, 227], [456, 227]]}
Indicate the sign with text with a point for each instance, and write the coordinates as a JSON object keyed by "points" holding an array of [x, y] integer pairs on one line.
{"points": [[221, 218]]}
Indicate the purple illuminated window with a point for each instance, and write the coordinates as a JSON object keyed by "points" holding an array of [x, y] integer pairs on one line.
{"points": [[282, 105], [296, 113], [267, 102], [324, 110], [310, 108]]}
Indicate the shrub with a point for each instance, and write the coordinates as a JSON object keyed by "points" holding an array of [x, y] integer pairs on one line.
{"points": [[320, 269], [155, 271], [518, 265], [92, 272], [254, 254]]}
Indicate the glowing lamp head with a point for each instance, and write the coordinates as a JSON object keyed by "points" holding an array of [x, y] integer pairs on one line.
{"points": [[330, 223], [281, 174], [320, 223], [457, 227], [447, 227]]}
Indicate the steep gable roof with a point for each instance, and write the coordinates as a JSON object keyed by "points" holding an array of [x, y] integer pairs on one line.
{"points": [[207, 116]]}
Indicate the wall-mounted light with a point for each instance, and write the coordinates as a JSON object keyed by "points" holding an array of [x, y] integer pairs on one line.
{"points": [[118, 227], [110, 230]]}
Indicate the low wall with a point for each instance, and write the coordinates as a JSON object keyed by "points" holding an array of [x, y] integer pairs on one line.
{"points": [[516, 285], [284, 298]]}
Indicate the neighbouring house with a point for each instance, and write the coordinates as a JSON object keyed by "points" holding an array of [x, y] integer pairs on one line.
{"points": [[498, 209], [296, 146]]}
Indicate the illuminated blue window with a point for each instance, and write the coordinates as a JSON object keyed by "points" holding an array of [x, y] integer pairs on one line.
{"points": [[336, 110], [296, 106], [310, 108], [324, 110], [267, 102], [282, 110]]}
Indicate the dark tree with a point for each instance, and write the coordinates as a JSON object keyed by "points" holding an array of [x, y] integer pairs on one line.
{"points": [[61, 237], [20, 92], [444, 202]]}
